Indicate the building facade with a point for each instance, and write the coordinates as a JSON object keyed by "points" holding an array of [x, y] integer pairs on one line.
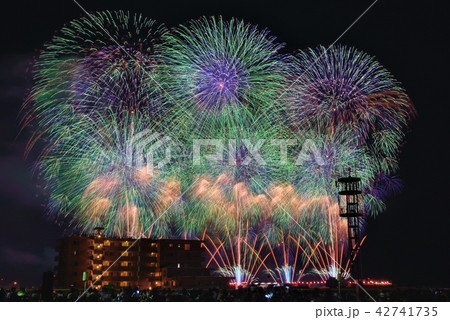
{"points": [[98, 261]]}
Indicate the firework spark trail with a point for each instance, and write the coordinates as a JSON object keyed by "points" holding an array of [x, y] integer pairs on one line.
{"points": [[244, 270], [340, 267], [326, 267], [285, 269]]}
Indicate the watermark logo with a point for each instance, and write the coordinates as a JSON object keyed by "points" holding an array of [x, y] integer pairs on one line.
{"points": [[216, 148], [148, 149], [152, 150]]}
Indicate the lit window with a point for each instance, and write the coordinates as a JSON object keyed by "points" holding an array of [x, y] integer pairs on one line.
{"points": [[124, 274], [178, 265], [124, 264], [170, 245], [153, 244], [153, 254], [187, 247], [125, 244], [124, 284], [106, 263], [107, 243], [75, 253], [125, 254], [179, 245]]}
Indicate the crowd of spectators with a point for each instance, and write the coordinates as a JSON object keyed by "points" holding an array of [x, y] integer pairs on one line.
{"points": [[249, 294]]}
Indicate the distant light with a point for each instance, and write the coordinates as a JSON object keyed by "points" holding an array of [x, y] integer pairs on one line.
{"points": [[269, 295]]}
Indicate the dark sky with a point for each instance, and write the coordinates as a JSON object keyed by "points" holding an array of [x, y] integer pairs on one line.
{"points": [[408, 243]]}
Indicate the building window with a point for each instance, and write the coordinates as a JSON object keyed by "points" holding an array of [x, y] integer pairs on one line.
{"points": [[125, 254], [124, 274], [125, 244], [152, 264], [106, 263], [179, 245], [107, 243], [153, 244], [124, 284], [187, 247], [153, 254], [75, 253], [124, 264], [170, 245], [178, 265]]}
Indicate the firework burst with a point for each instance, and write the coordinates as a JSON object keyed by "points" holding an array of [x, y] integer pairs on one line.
{"points": [[223, 73], [347, 90], [111, 84]]}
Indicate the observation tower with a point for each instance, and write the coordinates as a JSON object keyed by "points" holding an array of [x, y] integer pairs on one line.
{"points": [[349, 189]]}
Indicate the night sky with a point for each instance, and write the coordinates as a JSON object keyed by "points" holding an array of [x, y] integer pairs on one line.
{"points": [[408, 243]]}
